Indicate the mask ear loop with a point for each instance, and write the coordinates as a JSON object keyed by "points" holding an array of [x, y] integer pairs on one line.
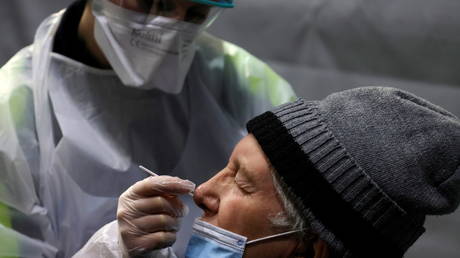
{"points": [[273, 236]]}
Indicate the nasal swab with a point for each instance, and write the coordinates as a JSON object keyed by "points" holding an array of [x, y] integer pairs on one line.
{"points": [[148, 171], [154, 174]]}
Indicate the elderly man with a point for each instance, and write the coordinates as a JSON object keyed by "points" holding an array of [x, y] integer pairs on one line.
{"points": [[106, 86], [353, 175]]}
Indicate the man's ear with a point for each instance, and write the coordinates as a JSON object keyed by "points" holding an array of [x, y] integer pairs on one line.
{"points": [[316, 249], [320, 249]]}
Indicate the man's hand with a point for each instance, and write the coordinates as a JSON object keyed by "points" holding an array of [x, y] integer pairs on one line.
{"points": [[149, 213]]}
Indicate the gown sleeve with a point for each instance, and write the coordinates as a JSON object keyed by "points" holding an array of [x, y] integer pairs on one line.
{"points": [[106, 243], [24, 222]]}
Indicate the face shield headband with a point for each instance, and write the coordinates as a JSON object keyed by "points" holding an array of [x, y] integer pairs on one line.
{"points": [[198, 12], [218, 3]]}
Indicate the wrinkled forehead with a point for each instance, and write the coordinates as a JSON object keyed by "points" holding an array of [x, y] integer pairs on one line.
{"points": [[249, 156]]}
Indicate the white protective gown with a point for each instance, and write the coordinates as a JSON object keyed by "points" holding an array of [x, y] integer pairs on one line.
{"points": [[72, 137]]}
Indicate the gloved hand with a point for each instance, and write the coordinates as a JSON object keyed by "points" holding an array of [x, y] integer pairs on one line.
{"points": [[149, 213]]}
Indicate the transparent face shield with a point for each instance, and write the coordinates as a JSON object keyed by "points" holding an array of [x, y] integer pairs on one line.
{"points": [[199, 12]]}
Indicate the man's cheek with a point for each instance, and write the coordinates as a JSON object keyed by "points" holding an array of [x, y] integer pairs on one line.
{"points": [[234, 216]]}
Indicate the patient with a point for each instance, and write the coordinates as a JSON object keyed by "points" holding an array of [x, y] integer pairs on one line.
{"points": [[353, 175]]}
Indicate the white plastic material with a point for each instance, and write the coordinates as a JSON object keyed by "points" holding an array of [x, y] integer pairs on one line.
{"points": [[72, 137], [106, 243]]}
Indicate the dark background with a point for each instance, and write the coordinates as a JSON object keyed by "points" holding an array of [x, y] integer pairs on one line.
{"points": [[323, 46]]}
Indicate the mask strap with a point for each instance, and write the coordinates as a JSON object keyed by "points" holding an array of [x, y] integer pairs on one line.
{"points": [[273, 236]]}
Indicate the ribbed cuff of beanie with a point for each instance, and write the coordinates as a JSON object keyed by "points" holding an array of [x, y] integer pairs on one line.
{"points": [[322, 179]]}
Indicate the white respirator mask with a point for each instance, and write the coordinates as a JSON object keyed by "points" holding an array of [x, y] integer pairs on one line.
{"points": [[146, 49]]}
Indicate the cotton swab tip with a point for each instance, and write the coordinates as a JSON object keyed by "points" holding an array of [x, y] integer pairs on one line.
{"points": [[148, 171]]}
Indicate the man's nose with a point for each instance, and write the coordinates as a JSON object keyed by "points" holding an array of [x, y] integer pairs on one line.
{"points": [[207, 195]]}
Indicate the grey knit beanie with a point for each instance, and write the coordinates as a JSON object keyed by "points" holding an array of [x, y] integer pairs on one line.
{"points": [[365, 166]]}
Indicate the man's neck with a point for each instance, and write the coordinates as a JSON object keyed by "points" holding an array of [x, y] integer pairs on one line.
{"points": [[86, 34]]}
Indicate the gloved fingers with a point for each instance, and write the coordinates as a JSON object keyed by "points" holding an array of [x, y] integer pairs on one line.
{"points": [[150, 242], [148, 212], [162, 185], [156, 223], [172, 206]]}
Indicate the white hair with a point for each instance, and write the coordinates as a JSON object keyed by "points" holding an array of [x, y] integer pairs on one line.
{"points": [[290, 217]]}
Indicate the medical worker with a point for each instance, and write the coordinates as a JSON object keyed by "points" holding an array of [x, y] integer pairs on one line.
{"points": [[105, 87]]}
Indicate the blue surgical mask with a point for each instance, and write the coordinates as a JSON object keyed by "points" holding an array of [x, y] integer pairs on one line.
{"points": [[210, 241]]}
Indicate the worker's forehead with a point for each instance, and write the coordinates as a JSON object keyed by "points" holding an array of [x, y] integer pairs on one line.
{"points": [[250, 157]]}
